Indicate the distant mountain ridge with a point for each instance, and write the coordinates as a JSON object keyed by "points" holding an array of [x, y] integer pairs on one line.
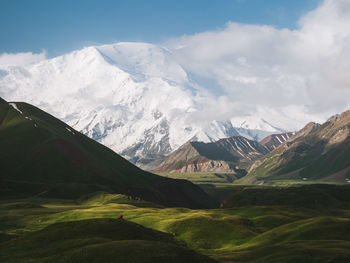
{"points": [[273, 141], [316, 152], [42, 156], [219, 156]]}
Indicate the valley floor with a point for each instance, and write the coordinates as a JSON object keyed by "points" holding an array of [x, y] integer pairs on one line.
{"points": [[239, 234], [230, 179]]}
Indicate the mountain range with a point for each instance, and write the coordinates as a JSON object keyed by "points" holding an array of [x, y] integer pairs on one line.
{"points": [[132, 97], [221, 156], [42, 156], [316, 152]]}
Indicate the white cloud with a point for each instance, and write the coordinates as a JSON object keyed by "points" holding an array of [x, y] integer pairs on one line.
{"points": [[288, 77], [20, 59], [306, 69]]}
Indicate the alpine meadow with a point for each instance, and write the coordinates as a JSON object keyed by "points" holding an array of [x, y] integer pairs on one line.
{"points": [[175, 131]]}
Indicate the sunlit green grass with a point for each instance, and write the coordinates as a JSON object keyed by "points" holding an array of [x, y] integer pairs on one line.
{"points": [[221, 179], [224, 234], [201, 177]]}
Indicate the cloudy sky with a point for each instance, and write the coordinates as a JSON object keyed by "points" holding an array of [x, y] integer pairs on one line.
{"points": [[268, 56], [306, 66]]}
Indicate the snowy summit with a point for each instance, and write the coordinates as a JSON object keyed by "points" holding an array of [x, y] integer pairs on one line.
{"points": [[132, 97]]}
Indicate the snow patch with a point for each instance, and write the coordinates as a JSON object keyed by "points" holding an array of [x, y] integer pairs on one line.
{"points": [[15, 107], [250, 146], [279, 140], [70, 131]]}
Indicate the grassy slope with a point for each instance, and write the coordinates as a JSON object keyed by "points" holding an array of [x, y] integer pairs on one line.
{"points": [[40, 156], [308, 196], [204, 177], [318, 155], [97, 240], [240, 234]]}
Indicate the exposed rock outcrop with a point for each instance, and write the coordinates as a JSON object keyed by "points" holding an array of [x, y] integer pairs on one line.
{"points": [[220, 156]]}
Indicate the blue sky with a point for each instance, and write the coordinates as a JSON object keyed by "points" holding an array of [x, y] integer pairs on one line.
{"points": [[64, 25]]}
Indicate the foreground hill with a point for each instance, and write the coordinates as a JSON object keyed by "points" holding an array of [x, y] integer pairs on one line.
{"points": [[220, 156], [42, 156], [316, 152], [36, 229], [98, 240]]}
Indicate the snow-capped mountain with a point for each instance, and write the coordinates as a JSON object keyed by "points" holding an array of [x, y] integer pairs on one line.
{"points": [[132, 97], [254, 128]]}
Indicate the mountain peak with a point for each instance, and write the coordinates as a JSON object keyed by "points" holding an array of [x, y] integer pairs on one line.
{"points": [[214, 156], [132, 97], [345, 116], [143, 60]]}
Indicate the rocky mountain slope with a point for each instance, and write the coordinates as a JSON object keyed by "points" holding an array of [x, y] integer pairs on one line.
{"points": [[42, 156], [132, 97], [219, 156], [316, 152], [273, 141]]}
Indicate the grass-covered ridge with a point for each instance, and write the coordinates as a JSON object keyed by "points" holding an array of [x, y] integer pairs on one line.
{"points": [[42, 156], [315, 153], [97, 240], [240, 234]]}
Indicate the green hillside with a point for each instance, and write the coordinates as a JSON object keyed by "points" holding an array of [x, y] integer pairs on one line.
{"points": [[322, 153], [49, 230], [307, 196], [62, 195], [42, 156], [97, 240]]}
